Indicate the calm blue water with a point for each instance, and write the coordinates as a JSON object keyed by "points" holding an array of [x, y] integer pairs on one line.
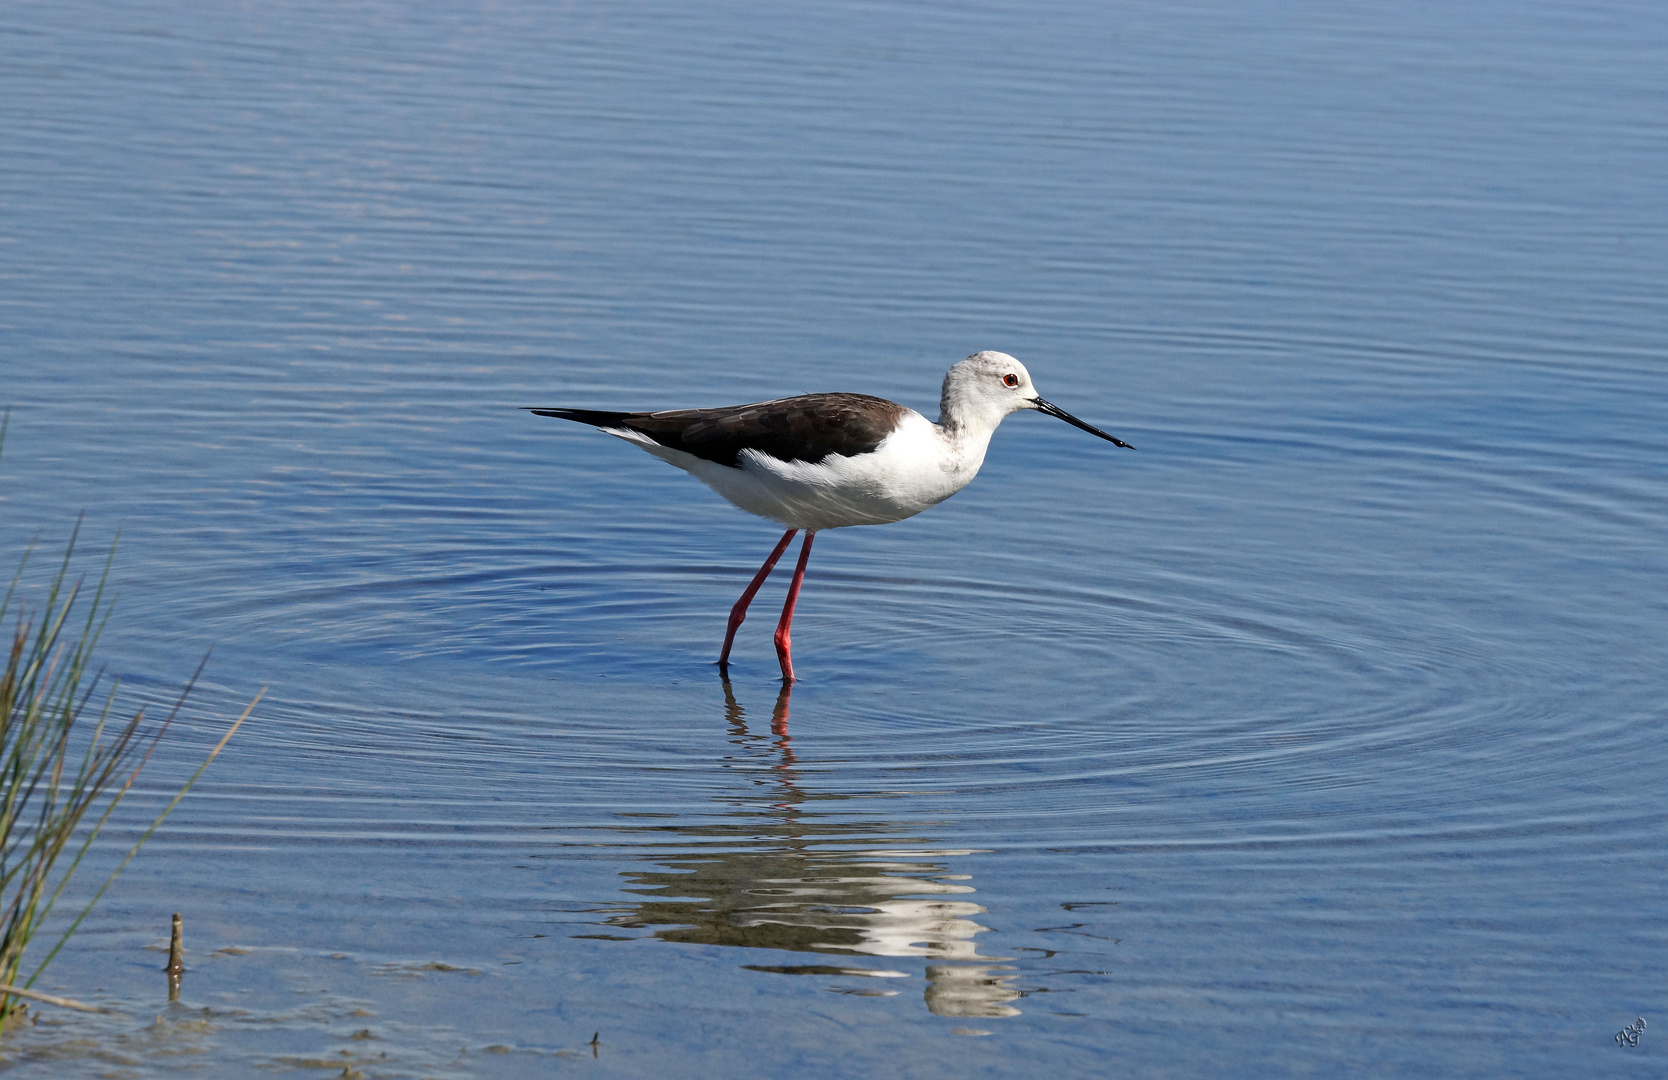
{"points": [[1323, 734]]}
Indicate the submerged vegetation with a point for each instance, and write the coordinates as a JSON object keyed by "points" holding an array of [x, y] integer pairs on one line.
{"points": [[66, 762]]}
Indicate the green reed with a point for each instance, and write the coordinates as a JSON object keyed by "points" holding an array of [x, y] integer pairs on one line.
{"points": [[65, 763]]}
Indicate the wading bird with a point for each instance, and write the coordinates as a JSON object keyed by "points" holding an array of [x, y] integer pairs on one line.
{"points": [[826, 461]]}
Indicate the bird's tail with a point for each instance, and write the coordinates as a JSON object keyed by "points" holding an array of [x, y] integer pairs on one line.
{"points": [[595, 417]]}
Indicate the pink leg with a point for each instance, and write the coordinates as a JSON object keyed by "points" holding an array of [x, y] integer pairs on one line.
{"points": [[739, 612], [784, 641]]}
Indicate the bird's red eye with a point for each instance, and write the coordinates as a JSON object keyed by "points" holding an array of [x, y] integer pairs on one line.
{"points": [[1010, 380]]}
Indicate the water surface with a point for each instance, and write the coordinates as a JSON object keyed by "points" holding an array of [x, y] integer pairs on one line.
{"points": [[1321, 734]]}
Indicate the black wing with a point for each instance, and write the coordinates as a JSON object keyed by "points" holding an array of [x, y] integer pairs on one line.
{"points": [[806, 428]]}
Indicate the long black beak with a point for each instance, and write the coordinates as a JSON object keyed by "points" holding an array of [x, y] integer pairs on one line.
{"points": [[1055, 410]]}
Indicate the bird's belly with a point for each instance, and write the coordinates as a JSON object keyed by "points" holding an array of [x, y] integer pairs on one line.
{"points": [[833, 493], [866, 489]]}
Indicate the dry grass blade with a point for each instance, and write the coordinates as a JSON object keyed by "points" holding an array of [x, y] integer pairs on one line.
{"points": [[53, 999]]}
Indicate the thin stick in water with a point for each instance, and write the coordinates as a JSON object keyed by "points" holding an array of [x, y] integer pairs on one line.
{"points": [[176, 962]]}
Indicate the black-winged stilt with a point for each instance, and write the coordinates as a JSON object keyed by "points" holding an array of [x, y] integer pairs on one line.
{"points": [[826, 461]]}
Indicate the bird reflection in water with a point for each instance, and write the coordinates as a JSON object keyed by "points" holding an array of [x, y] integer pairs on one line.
{"points": [[774, 873]]}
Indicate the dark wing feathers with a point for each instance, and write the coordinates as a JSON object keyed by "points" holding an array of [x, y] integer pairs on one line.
{"points": [[807, 428]]}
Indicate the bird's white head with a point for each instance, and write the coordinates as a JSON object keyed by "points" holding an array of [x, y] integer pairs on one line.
{"points": [[983, 389]]}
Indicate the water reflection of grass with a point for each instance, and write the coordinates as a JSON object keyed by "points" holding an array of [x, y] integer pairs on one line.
{"points": [[63, 760]]}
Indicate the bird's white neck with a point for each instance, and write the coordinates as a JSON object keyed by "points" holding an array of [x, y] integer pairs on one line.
{"points": [[965, 440], [963, 416]]}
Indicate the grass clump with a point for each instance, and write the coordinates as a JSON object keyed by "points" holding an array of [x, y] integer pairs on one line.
{"points": [[65, 762]]}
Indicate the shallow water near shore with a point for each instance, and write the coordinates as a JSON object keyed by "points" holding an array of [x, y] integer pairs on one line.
{"points": [[1320, 734]]}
